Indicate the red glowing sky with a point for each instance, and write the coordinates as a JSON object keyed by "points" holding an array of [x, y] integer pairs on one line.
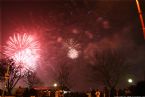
{"points": [[94, 25]]}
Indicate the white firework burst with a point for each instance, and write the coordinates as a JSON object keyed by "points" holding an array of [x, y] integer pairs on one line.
{"points": [[23, 49], [73, 48]]}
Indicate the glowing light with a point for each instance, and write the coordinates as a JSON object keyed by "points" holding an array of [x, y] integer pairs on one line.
{"points": [[24, 50], [55, 84], [73, 53], [72, 47], [130, 80]]}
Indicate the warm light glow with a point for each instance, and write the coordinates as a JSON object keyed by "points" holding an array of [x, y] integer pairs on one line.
{"points": [[24, 50], [55, 84], [130, 80], [141, 17]]}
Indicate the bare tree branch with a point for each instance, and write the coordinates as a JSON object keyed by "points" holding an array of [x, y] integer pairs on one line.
{"points": [[109, 67]]}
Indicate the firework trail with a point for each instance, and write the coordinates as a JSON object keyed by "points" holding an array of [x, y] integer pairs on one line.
{"points": [[24, 50]]}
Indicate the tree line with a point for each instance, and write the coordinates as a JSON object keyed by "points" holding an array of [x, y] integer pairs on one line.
{"points": [[109, 67]]}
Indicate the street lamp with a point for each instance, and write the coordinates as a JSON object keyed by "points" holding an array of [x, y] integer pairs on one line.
{"points": [[55, 84], [130, 80]]}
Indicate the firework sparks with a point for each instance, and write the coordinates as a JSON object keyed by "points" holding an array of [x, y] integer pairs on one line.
{"points": [[24, 49], [73, 53], [72, 46]]}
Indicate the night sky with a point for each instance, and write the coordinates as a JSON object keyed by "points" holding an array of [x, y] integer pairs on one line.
{"points": [[92, 24]]}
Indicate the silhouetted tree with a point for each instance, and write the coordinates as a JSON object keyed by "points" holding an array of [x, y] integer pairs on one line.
{"points": [[2, 69], [140, 88], [31, 78], [110, 66], [14, 73], [62, 75]]}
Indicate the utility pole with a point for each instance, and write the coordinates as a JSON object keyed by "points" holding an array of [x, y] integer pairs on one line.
{"points": [[142, 23], [141, 17]]}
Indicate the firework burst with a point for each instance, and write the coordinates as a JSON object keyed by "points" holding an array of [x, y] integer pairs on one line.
{"points": [[71, 44], [73, 53], [24, 50], [73, 47]]}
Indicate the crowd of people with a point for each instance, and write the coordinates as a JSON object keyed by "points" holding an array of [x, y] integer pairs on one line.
{"points": [[92, 93], [133, 90]]}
